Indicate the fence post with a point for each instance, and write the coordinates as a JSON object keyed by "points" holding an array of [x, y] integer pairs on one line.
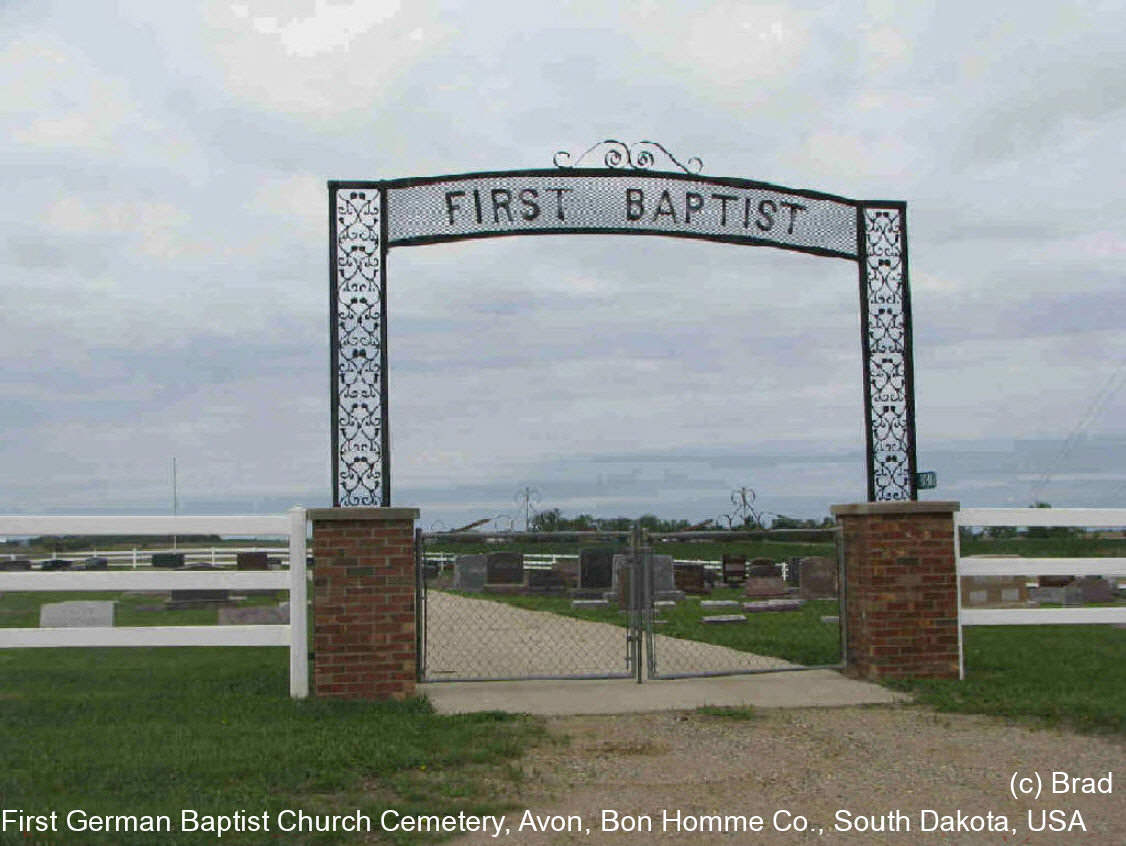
{"points": [[298, 615]]}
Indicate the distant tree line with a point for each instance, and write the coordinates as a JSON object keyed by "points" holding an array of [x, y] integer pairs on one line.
{"points": [[66, 542], [553, 520]]}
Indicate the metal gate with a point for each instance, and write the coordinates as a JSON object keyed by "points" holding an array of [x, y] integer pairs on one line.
{"points": [[479, 631], [499, 635]]}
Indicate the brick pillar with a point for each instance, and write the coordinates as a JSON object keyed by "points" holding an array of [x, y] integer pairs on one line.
{"points": [[363, 602], [901, 589]]}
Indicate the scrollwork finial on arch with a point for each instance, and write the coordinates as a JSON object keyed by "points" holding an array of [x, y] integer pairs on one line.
{"points": [[643, 155]]}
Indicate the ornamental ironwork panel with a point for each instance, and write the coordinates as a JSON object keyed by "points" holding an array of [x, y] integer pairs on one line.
{"points": [[625, 192], [359, 384], [889, 400]]}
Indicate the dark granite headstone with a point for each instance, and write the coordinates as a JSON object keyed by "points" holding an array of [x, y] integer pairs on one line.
{"points": [[14, 564], [1096, 589], [95, 562], [546, 581], [1055, 581], [504, 568], [596, 568], [818, 579], [734, 569], [568, 570], [252, 561], [168, 559], [760, 567], [55, 564], [689, 578]]}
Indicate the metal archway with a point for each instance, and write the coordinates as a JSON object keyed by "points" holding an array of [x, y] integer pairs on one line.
{"points": [[625, 194]]}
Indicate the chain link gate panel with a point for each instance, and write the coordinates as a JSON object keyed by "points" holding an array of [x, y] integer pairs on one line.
{"points": [[689, 638], [474, 629], [471, 630]]}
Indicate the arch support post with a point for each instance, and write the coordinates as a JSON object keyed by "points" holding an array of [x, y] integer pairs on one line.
{"points": [[901, 589], [885, 339]]}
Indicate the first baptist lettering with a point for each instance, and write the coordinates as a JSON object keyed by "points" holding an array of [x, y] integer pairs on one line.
{"points": [[501, 206]]}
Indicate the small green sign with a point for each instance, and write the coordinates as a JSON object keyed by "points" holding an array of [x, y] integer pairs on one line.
{"points": [[927, 480]]}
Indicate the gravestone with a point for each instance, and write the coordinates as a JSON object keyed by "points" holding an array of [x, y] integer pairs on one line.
{"points": [[546, 581], [596, 568], [504, 568], [774, 605], [818, 578], [579, 604], [664, 580], [167, 559], [663, 584], [94, 562], [689, 578], [254, 615], [1073, 594], [13, 565], [1048, 595], [762, 567], [1055, 581], [734, 569], [1096, 589], [55, 564], [764, 586], [197, 597], [724, 618], [719, 605], [252, 561], [469, 573], [568, 570], [78, 613], [792, 573], [995, 591]]}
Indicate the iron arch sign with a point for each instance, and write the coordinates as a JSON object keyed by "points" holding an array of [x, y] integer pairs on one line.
{"points": [[623, 195]]}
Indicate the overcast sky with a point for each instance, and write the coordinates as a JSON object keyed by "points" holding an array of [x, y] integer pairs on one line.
{"points": [[165, 289]]}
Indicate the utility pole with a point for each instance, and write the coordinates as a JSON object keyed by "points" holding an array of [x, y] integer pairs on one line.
{"points": [[526, 497], [175, 498]]}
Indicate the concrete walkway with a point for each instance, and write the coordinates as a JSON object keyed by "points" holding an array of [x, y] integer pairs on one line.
{"points": [[800, 689]]}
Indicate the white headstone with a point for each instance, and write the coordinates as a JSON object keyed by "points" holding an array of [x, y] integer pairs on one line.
{"points": [[79, 613]]}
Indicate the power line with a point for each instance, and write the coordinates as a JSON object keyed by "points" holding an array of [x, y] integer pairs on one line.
{"points": [[1102, 397]]}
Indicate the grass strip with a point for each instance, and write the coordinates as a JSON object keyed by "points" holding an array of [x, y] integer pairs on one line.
{"points": [[1065, 676], [157, 730]]}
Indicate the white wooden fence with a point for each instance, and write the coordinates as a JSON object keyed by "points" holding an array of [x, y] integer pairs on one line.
{"points": [[216, 556], [989, 566], [292, 635]]}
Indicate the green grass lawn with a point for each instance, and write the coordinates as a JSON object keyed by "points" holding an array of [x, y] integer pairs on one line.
{"points": [[1070, 676], [157, 730]]}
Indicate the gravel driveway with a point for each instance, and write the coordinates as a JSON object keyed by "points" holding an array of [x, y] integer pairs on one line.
{"points": [[867, 762]]}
